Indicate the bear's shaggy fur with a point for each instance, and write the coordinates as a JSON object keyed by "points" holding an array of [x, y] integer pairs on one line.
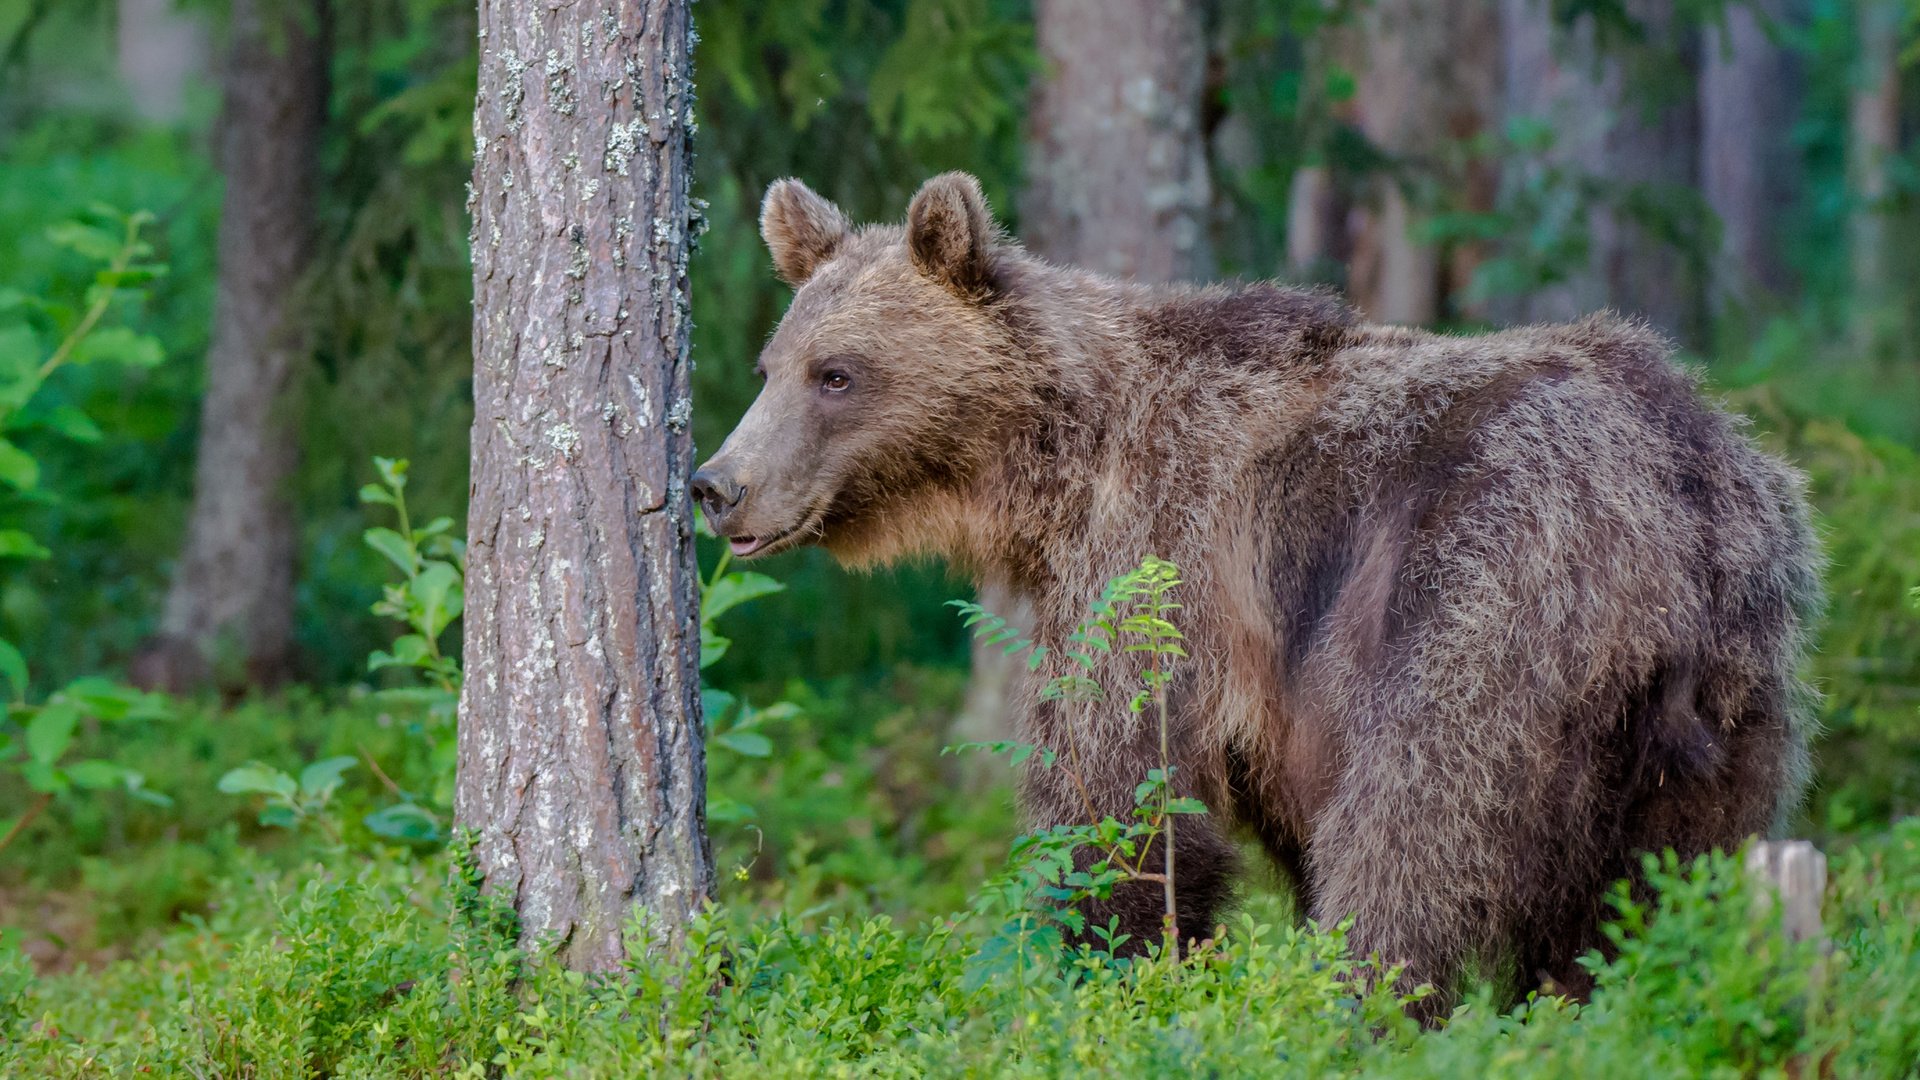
{"points": [[1473, 620]]}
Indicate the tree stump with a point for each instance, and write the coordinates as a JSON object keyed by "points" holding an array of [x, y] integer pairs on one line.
{"points": [[1796, 872]]}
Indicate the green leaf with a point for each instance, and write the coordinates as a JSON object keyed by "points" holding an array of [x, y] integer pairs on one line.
{"points": [[1186, 806], [733, 590], [70, 421], [393, 546], [44, 778], [404, 821], [323, 776], [712, 647], [19, 545], [254, 778], [51, 730], [746, 743], [18, 469], [90, 241], [118, 344], [14, 667], [96, 775], [280, 816], [374, 493], [716, 705], [393, 471], [440, 594], [112, 702], [725, 811]]}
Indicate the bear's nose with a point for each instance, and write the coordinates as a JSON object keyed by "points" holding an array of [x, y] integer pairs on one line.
{"points": [[716, 491]]}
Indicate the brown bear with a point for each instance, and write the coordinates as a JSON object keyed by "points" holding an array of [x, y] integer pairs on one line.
{"points": [[1473, 621]]}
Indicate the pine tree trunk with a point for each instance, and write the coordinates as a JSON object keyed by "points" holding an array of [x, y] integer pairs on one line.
{"points": [[1116, 161], [1608, 130], [1747, 89], [1873, 144], [1425, 85], [1117, 182], [229, 610], [161, 49], [581, 766]]}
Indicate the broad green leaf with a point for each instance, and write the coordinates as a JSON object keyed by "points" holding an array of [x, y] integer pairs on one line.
{"points": [[70, 421], [404, 821], [779, 710], [746, 743], [20, 545], [120, 345], [438, 590], [725, 811], [95, 775], [374, 493], [280, 816], [14, 667], [716, 705], [254, 778], [733, 590], [44, 778], [18, 469], [712, 647], [392, 470], [110, 701], [91, 241], [393, 546], [323, 776], [51, 730]]}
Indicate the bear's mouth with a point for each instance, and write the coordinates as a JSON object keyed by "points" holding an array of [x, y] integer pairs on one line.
{"points": [[746, 547]]}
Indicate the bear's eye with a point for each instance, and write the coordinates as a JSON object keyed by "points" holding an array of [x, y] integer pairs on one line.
{"points": [[836, 382]]}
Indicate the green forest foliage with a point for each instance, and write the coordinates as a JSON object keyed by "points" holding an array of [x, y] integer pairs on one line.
{"points": [[273, 891]]}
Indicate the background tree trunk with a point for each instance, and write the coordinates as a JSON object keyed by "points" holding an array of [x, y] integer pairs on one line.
{"points": [[1426, 84], [229, 609], [1747, 96], [581, 766], [1631, 149], [161, 50], [1116, 162], [1873, 142], [1117, 182]]}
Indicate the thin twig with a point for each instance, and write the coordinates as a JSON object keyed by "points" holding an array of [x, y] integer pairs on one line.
{"points": [[25, 820]]}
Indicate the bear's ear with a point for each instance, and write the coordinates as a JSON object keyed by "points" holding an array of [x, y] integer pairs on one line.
{"points": [[950, 234], [800, 228]]}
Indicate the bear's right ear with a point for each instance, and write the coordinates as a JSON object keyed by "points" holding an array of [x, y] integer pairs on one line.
{"points": [[800, 228], [951, 235]]}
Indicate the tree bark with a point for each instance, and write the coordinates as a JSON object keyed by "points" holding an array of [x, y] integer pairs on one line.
{"points": [[161, 49], [581, 768], [1747, 90], [1425, 85], [1608, 133], [229, 609], [1116, 162], [1873, 142]]}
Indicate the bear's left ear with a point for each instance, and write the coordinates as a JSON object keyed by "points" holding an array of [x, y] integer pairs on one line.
{"points": [[950, 234]]}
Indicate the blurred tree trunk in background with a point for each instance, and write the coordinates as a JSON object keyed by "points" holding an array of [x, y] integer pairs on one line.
{"points": [[1427, 83], [581, 765], [162, 49], [1116, 159], [229, 609], [1637, 144], [1116, 182], [1873, 144], [1748, 90]]}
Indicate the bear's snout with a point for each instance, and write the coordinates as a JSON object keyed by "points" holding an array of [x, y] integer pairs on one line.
{"points": [[718, 494]]}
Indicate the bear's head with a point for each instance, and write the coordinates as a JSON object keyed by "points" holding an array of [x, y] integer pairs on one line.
{"points": [[887, 383]]}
